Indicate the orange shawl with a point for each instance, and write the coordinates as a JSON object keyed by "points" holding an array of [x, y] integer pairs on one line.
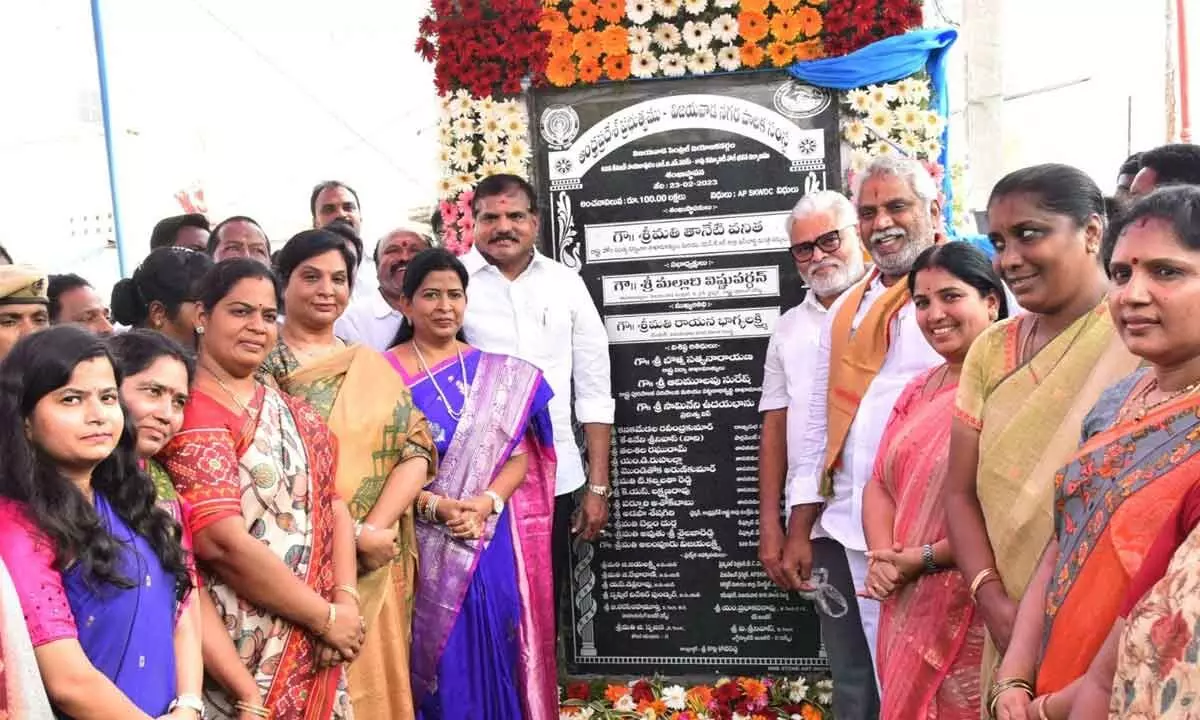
{"points": [[855, 357]]}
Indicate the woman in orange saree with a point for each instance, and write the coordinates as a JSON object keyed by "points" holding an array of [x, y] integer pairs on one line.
{"points": [[1139, 459], [930, 641]]}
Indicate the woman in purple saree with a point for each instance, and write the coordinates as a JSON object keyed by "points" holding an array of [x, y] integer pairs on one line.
{"points": [[483, 621]]}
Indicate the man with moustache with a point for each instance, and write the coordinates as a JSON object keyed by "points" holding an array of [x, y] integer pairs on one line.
{"points": [[522, 303], [23, 304], [870, 348], [374, 320]]}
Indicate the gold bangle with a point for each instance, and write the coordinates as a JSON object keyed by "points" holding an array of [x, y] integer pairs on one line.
{"points": [[1042, 707], [351, 591], [984, 576], [1002, 686], [256, 710], [329, 622]]}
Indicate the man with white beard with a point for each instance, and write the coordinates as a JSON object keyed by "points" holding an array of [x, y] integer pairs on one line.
{"points": [[870, 348]]}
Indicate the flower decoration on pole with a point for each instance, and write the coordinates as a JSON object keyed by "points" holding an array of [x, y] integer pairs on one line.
{"points": [[483, 46], [852, 24], [741, 698]]}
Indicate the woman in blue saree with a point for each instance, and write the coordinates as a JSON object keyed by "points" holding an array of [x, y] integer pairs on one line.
{"points": [[483, 622], [97, 565]]}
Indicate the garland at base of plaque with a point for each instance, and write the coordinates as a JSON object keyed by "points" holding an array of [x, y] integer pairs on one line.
{"points": [[742, 698]]}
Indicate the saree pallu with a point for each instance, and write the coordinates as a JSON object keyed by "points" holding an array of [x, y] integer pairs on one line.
{"points": [[271, 467], [1028, 416], [930, 642], [1112, 501], [22, 695], [371, 413], [503, 582]]}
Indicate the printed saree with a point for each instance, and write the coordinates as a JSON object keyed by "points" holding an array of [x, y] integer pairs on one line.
{"points": [[483, 628], [930, 642], [371, 412], [22, 696], [271, 466], [1111, 502], [1028, 416]]}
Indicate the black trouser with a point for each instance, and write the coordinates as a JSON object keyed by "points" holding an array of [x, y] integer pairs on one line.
{"points": [[560, 544], [855, 696]]}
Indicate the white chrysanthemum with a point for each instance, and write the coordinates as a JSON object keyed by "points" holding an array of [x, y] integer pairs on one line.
{"points": [[639, 12], [697, 35], [483, 106], [493, 137], [447, 187], [825, 685], [797, 690], [639, 39], [674, 697], [672, 65], [491, 126], [702, 62], [881, 94], [932, 148], [725, 28], [667, 8], [445, 157], [825, 698], [859, 101], [460, 105], [855, 132], [643, 65], [933, 124], [667, 36], [859, 160], [880, 121], [511, 108], [625, 704], [912, 90], [490, 151], [464, 127], [445, 133], [885, 148], [725, 4], [516, 167], [695, 7], [729, 58], [909, 117], [515, 127], [464, 154], [518, 150], [911, 143], [464, 181]]}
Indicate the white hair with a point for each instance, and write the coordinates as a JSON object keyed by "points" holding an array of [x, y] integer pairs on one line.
{"points": [[912, 171], [823, 201]]}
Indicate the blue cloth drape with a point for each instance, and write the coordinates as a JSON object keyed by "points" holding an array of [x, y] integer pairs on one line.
{"points": [[888, 60]]}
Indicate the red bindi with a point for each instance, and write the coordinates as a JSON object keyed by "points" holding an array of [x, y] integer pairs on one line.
{"points": [[1134, 262]]}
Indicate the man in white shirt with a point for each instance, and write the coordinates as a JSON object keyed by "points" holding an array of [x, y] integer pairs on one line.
{"points": [[870, 348], [333, 202], [522, 303], [823, 230], [373, 320]]}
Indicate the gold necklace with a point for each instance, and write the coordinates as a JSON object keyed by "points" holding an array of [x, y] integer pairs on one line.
{"points": [[230, 393], [1144, 408]]}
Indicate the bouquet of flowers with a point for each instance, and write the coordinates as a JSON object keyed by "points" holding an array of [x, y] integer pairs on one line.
{"points": [[740, 698]]}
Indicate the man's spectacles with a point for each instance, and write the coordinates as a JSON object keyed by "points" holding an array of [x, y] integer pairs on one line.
{"points": [[829, 243]]}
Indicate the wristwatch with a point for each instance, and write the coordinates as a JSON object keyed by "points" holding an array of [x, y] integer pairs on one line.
{"points": [[497, 501], [188, 702], [603, 491]]}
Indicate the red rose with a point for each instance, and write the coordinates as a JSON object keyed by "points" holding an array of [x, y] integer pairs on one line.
{"points": [[579, 691], [642, 692]]}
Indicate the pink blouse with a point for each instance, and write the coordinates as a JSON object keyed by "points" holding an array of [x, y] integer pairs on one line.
{"points": [[29, 555]]}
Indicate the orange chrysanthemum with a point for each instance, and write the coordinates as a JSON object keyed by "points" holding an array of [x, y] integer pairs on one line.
{"points": [[617, 67], [810, 21], [781, 53], [810, 712], [754, 689], [785, 5], [658, 706], [587, 45], [589, 70], [562, 44], [758, 6], [784, 26], [612, 11], [553, 21], [583, 14], [808, 50], [614, 40], [613, 693], [752, 26], [560, 70], [700, 695], [752, 55]]}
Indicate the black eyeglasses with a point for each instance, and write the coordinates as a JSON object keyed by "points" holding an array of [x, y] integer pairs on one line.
{"points": [[829, 243]]}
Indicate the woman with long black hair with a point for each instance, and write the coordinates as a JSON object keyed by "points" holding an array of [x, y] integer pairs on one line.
{"points": [[98, 566]]}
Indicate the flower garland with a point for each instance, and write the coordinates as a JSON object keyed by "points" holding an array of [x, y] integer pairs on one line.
{"points": [[592, 40], [485, 46], [893, 118], [728, 699], [853, 24], [478, 138]]}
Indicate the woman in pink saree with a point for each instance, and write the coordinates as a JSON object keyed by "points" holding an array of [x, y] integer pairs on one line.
{"points": [[930, 642]]}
